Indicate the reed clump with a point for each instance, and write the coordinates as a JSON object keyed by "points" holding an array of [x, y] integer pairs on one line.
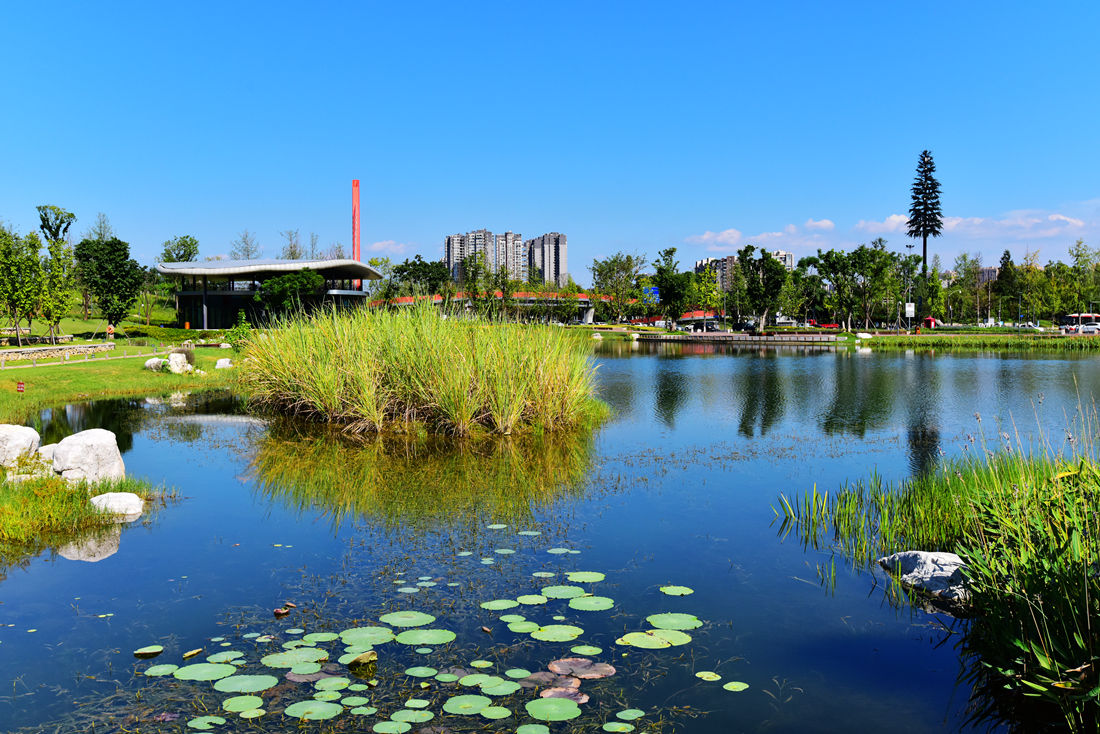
{"points": [[1023, 342], [372, 370]]}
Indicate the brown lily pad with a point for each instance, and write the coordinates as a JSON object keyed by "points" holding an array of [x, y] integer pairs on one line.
{"points": [[547, 679], [571, 693], [582, 668]]}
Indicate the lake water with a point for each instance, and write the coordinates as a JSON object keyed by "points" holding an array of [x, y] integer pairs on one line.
{"points": [[678, 488]]}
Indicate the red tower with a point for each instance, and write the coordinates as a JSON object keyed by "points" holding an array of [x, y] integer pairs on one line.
{"points": [[355, 223]]}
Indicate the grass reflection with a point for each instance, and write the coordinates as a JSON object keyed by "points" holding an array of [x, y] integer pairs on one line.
{"points": [[420, 480]]}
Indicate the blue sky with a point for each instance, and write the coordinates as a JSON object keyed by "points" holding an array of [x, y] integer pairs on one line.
{"points": [[628, 126]]}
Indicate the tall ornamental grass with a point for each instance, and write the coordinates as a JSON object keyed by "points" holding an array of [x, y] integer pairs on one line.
{"points": [[369, 370]]}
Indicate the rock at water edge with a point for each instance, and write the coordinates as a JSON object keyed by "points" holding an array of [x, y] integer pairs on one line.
{"points": [[938, 574], [90, 456], [126, 505], [155, 364], [16, 441]]}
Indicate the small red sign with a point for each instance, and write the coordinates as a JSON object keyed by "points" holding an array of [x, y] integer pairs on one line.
{"points": [[19, 387]]}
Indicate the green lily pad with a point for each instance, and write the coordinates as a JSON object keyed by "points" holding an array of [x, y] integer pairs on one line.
{"points": [[504, 551], [417, 703], [677, 590], [320, 637], [523, 627], [495, 712], [517, 673], [354, 701], [473, 679], [205, 671], [426, 584], [558, 551], [496, 526], [407, 619], [237, 704], [480, 664], [557, 633], [250, 635], [425, 637], [630, 714], [736, 686], [501, 688], [295, 631], [465, 553], [586, 649], [149, 651], [205, 723], [366, 635], [158, 670], [246, 683], [708, 675], [313, 710], [647, 640], [391, 727], [591, 603], [585, 577], [413, 715], [531, 599], [467, 705], [290, 658], [674, 621], [423, 650], [509, 618], [446, 677], [533, 729], [563, 592], [529, 533], [298, 643], [358, 687], [335, 683], [543, 575], [409, 589], [311, 668], [553, 709], [252, 713], [618, 726], [498, 604], [421, 671], [224, 657], [327, 695], [364, 710]]}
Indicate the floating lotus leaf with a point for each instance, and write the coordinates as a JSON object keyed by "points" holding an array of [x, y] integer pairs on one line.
{"points": [[501, 688], [205, 671], [391, 727], [252, 714], [585, 577], [425, 584], [504, 551], [354, 701], [619, 726], [421, 672], [553, 709], [736, 686], [563, 592], [533, 729], [465, 553], [358, 687], [586, 649], [591, 603], [413, 715], [217, 639], [558, 618], [645, 640], [673, 637], [409, 589], [531, 599], [246, 683], [565, 692], [236, 704], [158, 670], [265, 638], [327, 695], [407, 618], [313, 710], [320, 637], [250, 635], [523, 627], [334, 683], [205, 723], [224, 657], [467, 705], [480, 664], [498, 604], [149, 651], [487, 561], [708, 675], [558, 551], [424, 578], [544, 574], [517, 673], [581, 668], [364, 710], [674, 621], [495, 712], [295, 631], [509, 618], [630, 714], [298, 643], [425, 637], [677, 590], [530, 533], [473, 679], [290, 658], [417, 703], [551, 680], [366, 635], [423, 650], [446, 677], [557, 633]]}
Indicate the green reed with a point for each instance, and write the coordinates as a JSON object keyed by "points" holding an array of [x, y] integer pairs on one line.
{"points": [[1008, 342], [369, 370]]}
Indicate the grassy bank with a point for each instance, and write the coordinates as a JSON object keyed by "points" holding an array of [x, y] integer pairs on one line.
{"points": [[1027, 528], [368, 370], [50, 386], [1013, 342]]}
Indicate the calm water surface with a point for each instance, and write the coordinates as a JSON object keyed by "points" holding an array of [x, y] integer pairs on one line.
{"points": [[677, 488]]}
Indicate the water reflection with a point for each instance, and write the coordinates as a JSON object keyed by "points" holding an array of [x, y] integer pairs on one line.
{"points": [[419, 481]]}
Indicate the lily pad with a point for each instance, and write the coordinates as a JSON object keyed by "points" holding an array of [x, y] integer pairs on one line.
{"points": [[224, 657], [531, 599], [252, 713], [708, 675], [313, 710], [586, 650], [499, 604], [618, 726], [582, 668], [497, 526], [553, 709], [407, 618], [735, 686], [533, 729], [568, 692], [366, 635], [413, 715], [364, 710], [417, 703], [421, 671], [246, 683], [335, 683], [501, 688], [523, 627], [409, 589], [446, 677], [158, 670], [327, 695], [563, 592], [504, 551], [290, 658], [509, 618], [466, 705], [591, 603], [495, 712], [205, 671], [391, 727], [354, 701], [557, 633], [480, 664], [544, 574], [674, 621], [205, 723], [425, 637], [529, 533], [237, 704], [648, 640], [585, 577], [558, 551], [149, 651], [320, 637], [473, 679], [630, 714], [677, 590], [517, 673], [295, 631], [311, 668]]}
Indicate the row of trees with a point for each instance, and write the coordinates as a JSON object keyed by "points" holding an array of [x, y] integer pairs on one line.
{"points": [[247, 247]]}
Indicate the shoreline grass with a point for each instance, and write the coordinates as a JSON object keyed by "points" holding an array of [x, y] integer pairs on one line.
{"points": [[372, 370], [1006, 342]]}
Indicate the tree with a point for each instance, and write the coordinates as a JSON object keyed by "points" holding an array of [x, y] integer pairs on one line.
{"points": [[245, 247], [925, 217], [672, 285], [314, 253], [872, 268], [101, 230], [704, 292], [336, 251], [113, 278], [293, 290], [54, 222], [58, 284], [617, 277], [292, 248], [764, 280], [20, 288], [182, 249], [421, 276]]}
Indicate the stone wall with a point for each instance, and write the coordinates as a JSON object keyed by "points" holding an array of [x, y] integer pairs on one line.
{"points": [[9, 339], [68, 351]]}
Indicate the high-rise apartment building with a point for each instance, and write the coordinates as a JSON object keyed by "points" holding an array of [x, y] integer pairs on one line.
{"points": [[722, 267], [496, 250], [787, 258], [548, 253]]}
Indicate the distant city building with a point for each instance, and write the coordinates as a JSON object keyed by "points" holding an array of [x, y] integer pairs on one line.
{"points": [[500, 250], [985, 275], [548, 253], [787, 258], [722, 267]]}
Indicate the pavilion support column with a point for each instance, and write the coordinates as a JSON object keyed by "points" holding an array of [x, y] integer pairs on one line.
{"points": [[204, 326]]}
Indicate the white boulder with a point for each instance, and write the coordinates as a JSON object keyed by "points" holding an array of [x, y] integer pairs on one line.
{"points": [[90, 456], [940, 575], [178, 364], [94, 547], [863, 335], [224, 364], [223, 345], [155, 364], [16, 441], [126, 505]]}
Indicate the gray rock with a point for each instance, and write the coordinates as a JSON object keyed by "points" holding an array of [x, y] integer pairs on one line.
{"points": [[90, 456], [223, 345], [45, 453], [126, 505], [224, 364], [16, 441], [178, 364], [155, 364], [95, 547], [940, 575]]}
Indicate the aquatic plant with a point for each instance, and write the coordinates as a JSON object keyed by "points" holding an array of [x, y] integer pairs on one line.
{"points": [[366, 370]]}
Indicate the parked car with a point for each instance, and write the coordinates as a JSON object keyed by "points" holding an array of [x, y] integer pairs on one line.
{"points": [[1092, 327]]}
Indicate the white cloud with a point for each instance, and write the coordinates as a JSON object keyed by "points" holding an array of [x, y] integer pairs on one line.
{"points": [[826, 225], [892, 223], [391, 247], [728, 237], [1064, 218]]}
